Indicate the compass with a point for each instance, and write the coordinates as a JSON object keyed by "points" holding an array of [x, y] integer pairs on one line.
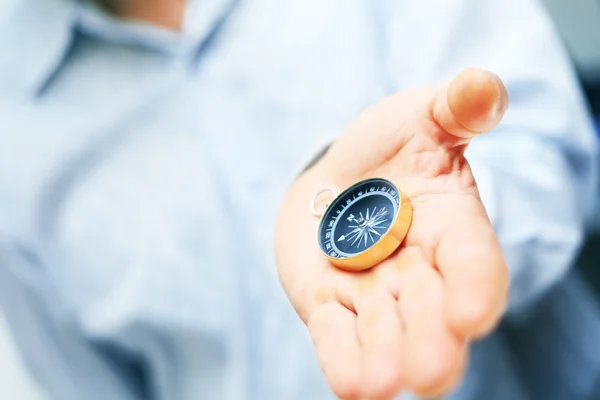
{"points": [[364, 225]]}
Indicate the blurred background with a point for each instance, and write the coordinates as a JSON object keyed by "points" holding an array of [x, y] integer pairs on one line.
{"points": [[578, 21]]}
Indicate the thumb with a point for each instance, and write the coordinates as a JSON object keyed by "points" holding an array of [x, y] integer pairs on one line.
{"points": [[473, 102], [437, 116]]}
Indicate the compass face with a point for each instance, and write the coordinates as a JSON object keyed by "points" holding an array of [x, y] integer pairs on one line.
{"points": [[358, 218]]}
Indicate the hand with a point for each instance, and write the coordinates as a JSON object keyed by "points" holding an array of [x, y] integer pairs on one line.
{"points": [[406, 323]]}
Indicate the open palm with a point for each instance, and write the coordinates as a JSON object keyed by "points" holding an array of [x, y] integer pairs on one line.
{"points": [[406, 323]]}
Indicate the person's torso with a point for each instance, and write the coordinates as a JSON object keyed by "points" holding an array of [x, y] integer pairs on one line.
{"points": [[148, 186]]}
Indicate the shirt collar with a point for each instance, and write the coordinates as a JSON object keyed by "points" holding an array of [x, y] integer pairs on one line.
{"points": [[40, 33], [43, 32], [199, 21], [92, 21]]}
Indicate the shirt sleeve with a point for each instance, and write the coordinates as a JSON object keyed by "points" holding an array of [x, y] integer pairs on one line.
{"points": [[537, 171]]}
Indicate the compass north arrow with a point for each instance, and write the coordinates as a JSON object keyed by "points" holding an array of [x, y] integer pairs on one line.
{"points": [[343, 237]]}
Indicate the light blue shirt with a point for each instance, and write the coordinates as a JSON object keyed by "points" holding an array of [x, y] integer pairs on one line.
{"points": [[141, 171]]}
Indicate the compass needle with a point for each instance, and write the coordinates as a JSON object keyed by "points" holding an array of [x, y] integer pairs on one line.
{"points": [[357, 238], [371, 236], [371, 230]]}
